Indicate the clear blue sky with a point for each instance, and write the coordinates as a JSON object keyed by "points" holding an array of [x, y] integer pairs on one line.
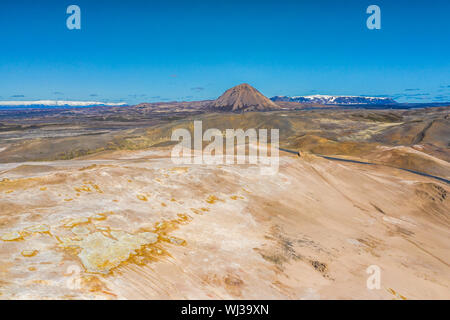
{"points": [[137, 51]]}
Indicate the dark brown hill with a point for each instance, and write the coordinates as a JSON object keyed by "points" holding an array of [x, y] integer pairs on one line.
{"points": [[243, 98]]}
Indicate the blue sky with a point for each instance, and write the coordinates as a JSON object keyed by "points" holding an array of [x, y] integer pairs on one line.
{"points": [[136, 51]]}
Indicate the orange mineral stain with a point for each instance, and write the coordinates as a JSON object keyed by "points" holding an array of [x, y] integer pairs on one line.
{"points": [[12, 236], [212, 199], [83, 188], [101, 216], [39, 228], [29, 253], [196, 211], [183, 218], [179, 169], [142, 197], [396, 294], [75, 222]]}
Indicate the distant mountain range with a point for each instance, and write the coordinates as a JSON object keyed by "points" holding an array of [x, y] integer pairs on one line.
{"points": [[335, 100], [57, 103], [241, 98], [244, 98]]}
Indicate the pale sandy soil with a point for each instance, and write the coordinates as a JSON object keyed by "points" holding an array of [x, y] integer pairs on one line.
{"points": [[132, 225]]}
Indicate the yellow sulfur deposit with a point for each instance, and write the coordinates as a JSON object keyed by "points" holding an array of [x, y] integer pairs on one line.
{"points": [[100, 253]]}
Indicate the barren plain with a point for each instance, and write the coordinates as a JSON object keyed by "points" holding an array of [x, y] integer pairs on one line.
{"points": [[92, 207]]}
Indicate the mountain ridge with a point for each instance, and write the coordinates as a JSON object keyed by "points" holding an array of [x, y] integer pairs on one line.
{"points": [[335, 100]]}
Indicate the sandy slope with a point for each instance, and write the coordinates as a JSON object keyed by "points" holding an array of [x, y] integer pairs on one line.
{"points": [[133, 225]]}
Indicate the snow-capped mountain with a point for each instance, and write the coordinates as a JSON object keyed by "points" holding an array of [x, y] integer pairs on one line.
{"points": [[58, 103], [325, 99]]}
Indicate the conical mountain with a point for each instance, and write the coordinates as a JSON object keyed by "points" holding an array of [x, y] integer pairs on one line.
{"points": [[243, 98]]}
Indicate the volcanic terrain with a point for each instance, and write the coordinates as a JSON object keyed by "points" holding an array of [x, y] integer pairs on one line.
{"points": [[93, 207]]}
